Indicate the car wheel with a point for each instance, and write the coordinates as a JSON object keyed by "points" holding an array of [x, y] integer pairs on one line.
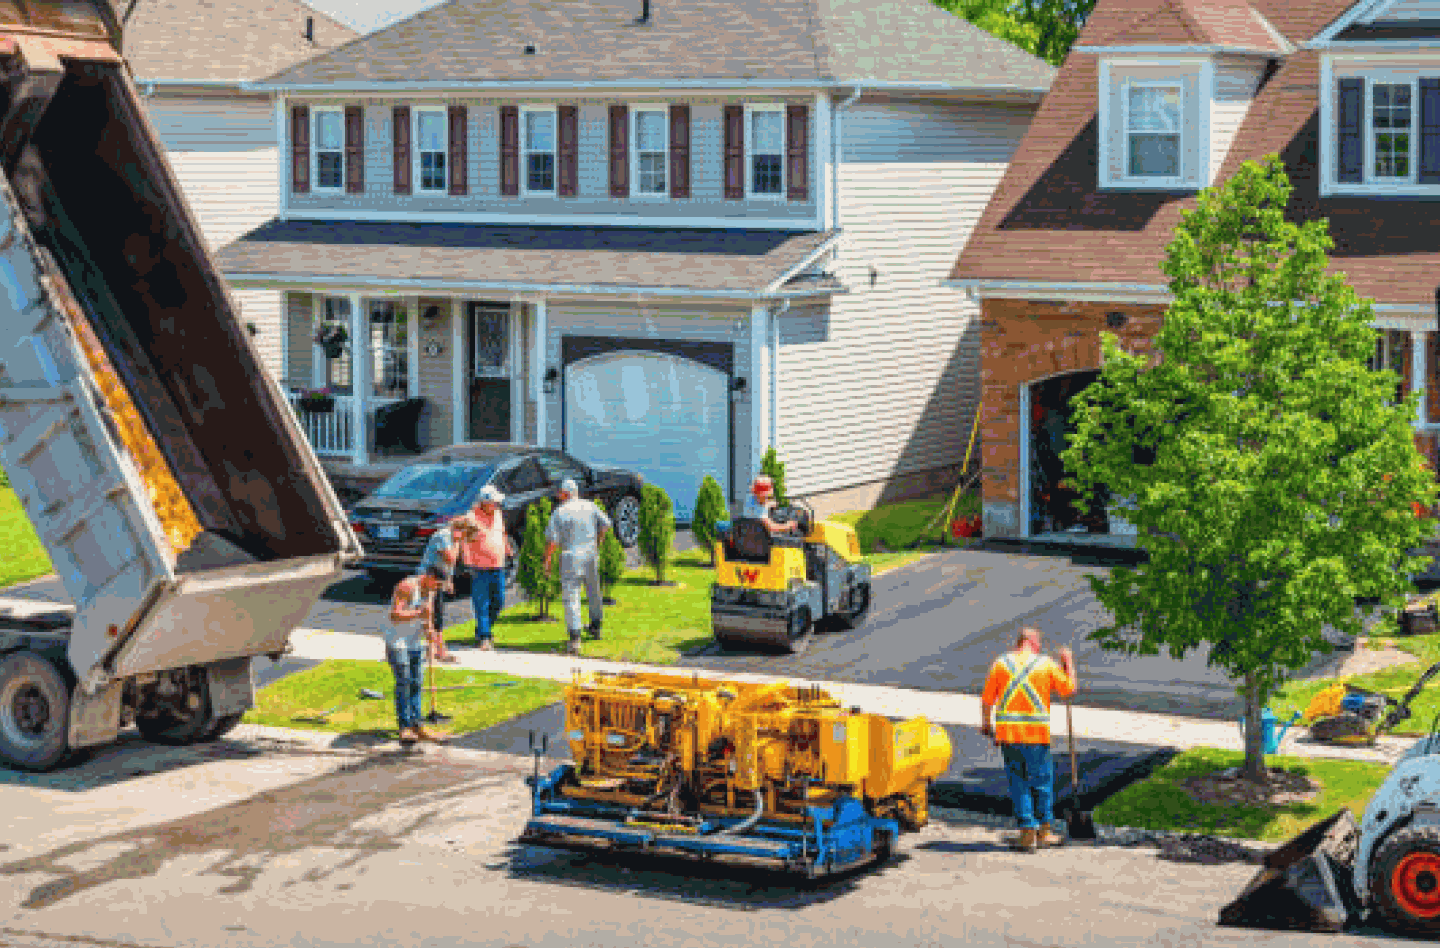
{"points": [[34, 713], [626, 517], [384, 578]]}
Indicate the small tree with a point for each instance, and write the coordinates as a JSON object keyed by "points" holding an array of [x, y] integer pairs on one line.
{"points": [[612, 564], [540, 585], [772, 465], [710, 508], [1271, 481], [657, 529]]}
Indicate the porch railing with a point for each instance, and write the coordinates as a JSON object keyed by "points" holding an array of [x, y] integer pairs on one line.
{"points": [[330, 432]]}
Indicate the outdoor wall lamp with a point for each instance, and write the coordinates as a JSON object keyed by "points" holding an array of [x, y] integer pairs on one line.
{"points": [[1116, 320], [737, 386], [552, 375], [431, 317]]}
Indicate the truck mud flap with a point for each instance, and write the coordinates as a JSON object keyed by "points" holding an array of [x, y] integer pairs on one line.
{"points": [[1306, 884]]}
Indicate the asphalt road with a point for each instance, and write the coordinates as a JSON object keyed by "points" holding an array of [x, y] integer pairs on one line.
{"points": [[246, 845]]}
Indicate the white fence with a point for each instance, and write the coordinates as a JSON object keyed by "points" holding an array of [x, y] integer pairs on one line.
{"points": [[333, 432]]}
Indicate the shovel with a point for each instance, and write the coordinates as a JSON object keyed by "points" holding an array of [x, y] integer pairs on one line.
{"points": [[1079, 824]]}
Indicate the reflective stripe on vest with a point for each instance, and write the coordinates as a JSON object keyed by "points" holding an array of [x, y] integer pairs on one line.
{"points": [[1018, 682]]}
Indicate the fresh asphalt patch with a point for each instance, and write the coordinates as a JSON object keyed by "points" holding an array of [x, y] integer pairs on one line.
{"points": [[975, 781]]}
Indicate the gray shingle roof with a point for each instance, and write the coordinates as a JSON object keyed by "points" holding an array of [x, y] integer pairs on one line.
{"points": [[715, 260], [218, 40], [801, 41]]}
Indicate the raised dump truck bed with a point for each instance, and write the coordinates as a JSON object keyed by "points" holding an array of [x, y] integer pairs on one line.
{"points": [[163, 470]]}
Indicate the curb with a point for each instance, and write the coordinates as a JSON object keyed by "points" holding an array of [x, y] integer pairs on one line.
{"points": [[1226, 848]]}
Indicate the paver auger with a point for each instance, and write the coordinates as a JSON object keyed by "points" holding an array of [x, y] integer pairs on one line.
{"points": [[706, 768]]}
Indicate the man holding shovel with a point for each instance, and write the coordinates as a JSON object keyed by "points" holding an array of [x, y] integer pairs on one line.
{"points": [[412, 612], [1020, 685]]}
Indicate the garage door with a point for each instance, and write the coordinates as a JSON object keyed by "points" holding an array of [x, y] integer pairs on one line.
{"points": [[662, 415]]}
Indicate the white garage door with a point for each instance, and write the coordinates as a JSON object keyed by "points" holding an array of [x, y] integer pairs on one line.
{"points": [[662, 415]]}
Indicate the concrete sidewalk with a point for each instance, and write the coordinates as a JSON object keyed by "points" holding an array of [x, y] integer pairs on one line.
{"points": [[941, 707]]}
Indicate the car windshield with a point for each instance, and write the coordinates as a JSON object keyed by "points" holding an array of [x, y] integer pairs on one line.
{"points": [[431, 481]]}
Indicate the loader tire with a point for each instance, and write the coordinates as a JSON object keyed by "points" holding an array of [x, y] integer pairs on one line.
{"points": [[1406, 880], [34, 713]]}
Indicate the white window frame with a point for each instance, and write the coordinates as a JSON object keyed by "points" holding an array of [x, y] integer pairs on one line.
{"points": [[415, 160], [525, 152], [664, 111], [749, 162], [1176, 180], [1371, 68], [315, 114], [1367, 174]]}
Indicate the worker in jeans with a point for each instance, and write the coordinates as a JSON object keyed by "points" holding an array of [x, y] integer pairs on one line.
{"points": [[485, 546], [412, 617], [1020, 685], [441, 553], [577, 528]]}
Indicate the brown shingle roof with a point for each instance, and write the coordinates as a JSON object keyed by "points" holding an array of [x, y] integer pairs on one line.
{"points": [[1049, 221], [595, 40], [1231, 23], [212, 40]]}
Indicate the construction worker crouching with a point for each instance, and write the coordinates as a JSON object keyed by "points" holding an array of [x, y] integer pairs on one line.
{"points": [[1020, 685]]}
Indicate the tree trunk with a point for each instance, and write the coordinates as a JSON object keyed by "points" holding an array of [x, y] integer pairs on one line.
{"points": [[1254, 768]]}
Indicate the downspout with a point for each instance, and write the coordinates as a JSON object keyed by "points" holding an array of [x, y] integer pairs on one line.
{"points": [[836, 151], [775, 315]]}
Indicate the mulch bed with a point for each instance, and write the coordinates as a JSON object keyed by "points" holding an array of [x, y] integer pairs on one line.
{"points": [[1228, 789]]}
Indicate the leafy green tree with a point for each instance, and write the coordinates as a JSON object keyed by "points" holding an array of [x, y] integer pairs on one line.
{"points": [[772, 465], [540, 585], [612, 564], [1272, 480], [657, 528], [1043, 28], [710, 508]]}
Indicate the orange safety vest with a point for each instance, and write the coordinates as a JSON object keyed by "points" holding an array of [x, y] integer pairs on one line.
{"points": [[1022, 713]]}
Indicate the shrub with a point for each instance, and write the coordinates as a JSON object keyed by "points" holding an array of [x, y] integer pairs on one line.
{"points": [[612, 563], [709, 509], [657, 528], [772, 465], [539, 584]]}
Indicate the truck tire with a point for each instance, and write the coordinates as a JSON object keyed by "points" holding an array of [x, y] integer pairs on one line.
{"points": [[857, 607], [1406, 874], [178, 728], [34, 713], [799, 631], [223, 725]]}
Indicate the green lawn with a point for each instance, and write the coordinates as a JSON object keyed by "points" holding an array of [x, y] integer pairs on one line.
{"points": [[24, 557], [331, 690], [1393, 681], [902, 524], [1161, 802]]}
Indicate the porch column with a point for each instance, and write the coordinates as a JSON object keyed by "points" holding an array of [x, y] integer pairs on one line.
{"points": [[359, 381], [459, 385], [758, 388], [1419, 348], [412, 341], [539, 359]]}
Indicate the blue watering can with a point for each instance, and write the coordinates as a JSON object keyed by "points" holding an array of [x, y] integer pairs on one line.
{"points": [[1268, 736]]}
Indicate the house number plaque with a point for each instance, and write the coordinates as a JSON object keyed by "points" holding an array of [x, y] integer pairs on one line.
{"points": [[433, 348]]}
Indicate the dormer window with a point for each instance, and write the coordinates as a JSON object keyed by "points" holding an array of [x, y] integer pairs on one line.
{"points": [[1390, 125], [1154, 123], [1152, 130]]}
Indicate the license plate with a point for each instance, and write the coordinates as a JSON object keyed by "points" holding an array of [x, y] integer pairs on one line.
{"points": [[388, 533]]}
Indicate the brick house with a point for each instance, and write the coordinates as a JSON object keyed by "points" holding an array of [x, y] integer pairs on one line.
{"points": [[1153, 104]]}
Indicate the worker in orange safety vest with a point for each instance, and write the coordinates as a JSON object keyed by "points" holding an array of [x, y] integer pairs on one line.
{"points": [[1020, 685]]}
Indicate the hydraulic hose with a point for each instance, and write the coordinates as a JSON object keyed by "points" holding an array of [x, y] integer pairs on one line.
{"points": [[750, 820]]}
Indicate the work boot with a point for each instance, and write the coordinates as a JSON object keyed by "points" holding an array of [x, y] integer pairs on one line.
{"points": [[485, 645], [407, 735], [434, 737], [574, 647], [1024, 841], [1046, 839], [594, 631]]}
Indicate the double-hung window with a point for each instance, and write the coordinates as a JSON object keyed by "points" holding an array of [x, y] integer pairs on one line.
{"points": [[765, 150], [537, 133], [1152, 130], [329, 138], [650, 132], [432, 142], [1391, 123]]}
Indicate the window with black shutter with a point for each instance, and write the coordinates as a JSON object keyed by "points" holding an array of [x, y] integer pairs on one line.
{"points": [[1429, 131], [1350, 153]]}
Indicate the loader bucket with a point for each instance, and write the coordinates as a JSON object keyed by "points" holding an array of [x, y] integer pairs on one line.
{"points": [[1306, 884]]}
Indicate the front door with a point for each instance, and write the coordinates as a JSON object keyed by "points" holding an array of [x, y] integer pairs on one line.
{"points": [[488, 328]]}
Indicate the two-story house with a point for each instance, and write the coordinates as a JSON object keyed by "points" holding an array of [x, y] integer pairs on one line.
{"points": [[1155, 102], [193, 61], [662, 235]]}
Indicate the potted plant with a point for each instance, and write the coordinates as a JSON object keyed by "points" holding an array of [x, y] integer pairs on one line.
{"points": [[317, 401], [332, 338]]}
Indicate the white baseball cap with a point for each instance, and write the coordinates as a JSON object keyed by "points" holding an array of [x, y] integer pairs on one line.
{"points": [[488, 492]]}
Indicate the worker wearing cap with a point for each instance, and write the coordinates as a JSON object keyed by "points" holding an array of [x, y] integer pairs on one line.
{"points": [[576, 528], [1019, 687], [485, 545], [440, 554], [412, 614], [760, 505]]}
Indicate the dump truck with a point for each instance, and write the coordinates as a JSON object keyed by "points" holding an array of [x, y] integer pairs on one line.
{"points": [[185, 513], [770, 773]]}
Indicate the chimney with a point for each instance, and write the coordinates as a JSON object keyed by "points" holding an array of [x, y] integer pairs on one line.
{"points": [[644, 16], [310, 27]]}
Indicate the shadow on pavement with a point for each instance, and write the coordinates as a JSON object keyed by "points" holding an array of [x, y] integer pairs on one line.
{"points": [[130, 757]]}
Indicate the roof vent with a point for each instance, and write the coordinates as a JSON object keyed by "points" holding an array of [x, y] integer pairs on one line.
{"points": [[529, 49], [310, 29], [644, 16]]}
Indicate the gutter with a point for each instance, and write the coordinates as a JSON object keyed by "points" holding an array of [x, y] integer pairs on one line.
{"points": [[837, 151], [271, 280], [575, 87]]}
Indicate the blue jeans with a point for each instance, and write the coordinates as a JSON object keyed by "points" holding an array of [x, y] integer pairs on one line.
{"points": [[408, 666], [487, 596], [1030, 769]]}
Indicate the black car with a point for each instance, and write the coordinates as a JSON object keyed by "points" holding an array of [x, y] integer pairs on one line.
{"points": [[396, 520]]}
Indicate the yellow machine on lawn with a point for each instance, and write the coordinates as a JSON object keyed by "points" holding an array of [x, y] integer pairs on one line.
{"points": [[775, 589], [704, 768]]}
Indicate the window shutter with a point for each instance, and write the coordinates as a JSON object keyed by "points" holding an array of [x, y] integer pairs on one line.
{"points": [[797, 152], [510, 150], [1429, 131], [567, 147], [734, 152], [300, 149], [679, 151], [354, 150], [401, 137], [1350, 154], [619, 151], [459, 126]]}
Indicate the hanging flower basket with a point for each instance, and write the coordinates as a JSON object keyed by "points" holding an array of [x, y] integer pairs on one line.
{"points": [[317, 401], [332, 338]]}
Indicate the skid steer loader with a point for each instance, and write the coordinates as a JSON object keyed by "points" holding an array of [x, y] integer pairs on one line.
{"points": [[1388, 865]]}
